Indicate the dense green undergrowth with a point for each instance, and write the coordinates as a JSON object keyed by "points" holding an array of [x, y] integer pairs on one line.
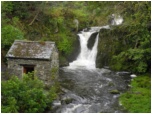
{"points": [[127, 47], [138, 98], [26, 95]]}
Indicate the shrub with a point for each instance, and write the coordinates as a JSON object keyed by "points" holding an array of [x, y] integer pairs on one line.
{"points": [[26, 95], [65, 45]]}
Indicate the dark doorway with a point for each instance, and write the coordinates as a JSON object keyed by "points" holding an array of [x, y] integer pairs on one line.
{"points": [[28, 69]]}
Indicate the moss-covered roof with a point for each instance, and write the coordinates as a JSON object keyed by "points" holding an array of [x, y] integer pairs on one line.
{"points": [[31, 50]]}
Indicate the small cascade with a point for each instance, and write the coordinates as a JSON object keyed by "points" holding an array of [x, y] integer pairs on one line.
{"points": [[116, 19], [87, 57], [87, 89]]}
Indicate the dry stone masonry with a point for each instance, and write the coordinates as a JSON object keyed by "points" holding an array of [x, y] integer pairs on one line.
{"points": [[40, 57]]}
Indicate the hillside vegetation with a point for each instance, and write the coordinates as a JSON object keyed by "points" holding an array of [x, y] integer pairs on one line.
{"points": [[126, 47], [129, 44]]}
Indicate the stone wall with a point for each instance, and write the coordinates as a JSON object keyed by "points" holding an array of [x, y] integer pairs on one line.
{"points": [[43, 68]]}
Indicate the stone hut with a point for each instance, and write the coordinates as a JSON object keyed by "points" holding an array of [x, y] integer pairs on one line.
{"points": [[40, 57]]}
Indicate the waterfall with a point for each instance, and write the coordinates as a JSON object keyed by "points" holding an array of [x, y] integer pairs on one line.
{"points": [[87, 57], [86, 86]]}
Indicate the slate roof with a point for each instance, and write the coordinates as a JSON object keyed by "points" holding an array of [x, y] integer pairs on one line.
{"points": [[31, 50]]}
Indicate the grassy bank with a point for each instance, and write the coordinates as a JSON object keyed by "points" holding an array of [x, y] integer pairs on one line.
{"points": [[138, 98]]}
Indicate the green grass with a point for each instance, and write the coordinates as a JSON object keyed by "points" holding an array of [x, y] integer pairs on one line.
{"points": [[138, 98]]}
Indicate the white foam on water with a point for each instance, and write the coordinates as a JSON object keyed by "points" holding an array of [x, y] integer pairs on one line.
{"points": [[87, 57]]}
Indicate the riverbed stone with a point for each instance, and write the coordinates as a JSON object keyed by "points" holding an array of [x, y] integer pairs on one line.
{"points": [[67, 101], [115, 91], [111, 84]]}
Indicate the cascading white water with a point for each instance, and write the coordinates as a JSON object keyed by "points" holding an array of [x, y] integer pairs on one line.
{"points": [[117, 20], [86, 84], [87, 57]]}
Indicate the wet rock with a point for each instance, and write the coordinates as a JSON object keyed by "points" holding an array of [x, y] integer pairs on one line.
{"points": [[106, 67], [92, 40], [86, 29], [64, 90], [104, 49], [95, 108], [129, 86], [68, 98], [56, 103], [64, 64], [111, 84], [76, 50], [79, 109], [115, 91], [54, 106], [63, 61], [133, 76], [67, 101], [123, 73], [105, 70]]}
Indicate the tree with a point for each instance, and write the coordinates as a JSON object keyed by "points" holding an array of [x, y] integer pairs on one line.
{"points": [[9, 34]]}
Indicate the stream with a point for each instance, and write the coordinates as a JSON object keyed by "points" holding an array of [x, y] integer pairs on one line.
{"points": [[87, 89]]}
